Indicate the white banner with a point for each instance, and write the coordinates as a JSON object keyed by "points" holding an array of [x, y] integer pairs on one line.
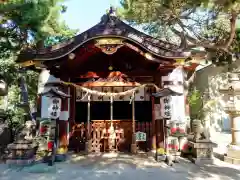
{"points": [[177, 103]]}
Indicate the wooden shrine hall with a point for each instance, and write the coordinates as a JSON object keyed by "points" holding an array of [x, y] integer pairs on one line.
{"points": [[105, 77]]}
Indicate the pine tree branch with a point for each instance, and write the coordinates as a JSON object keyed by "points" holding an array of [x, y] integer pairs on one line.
{"points": [[207, 44], [233, 22]]}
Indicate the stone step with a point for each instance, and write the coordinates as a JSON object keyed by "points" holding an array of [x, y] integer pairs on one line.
{"points": [[232, 160]]}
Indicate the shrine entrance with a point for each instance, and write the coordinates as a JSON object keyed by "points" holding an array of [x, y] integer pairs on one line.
{"points": [[122, 110], [112, 123]]}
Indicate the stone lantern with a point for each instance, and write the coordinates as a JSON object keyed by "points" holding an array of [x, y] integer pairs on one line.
{"points": [[232, 107]]}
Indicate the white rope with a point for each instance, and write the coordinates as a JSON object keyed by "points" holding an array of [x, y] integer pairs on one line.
{"points": [[110, 94], [84, 96], [132, 97]]}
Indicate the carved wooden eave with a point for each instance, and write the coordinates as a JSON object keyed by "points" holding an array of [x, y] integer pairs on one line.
{"points": [[112, 27], [115, 78]]}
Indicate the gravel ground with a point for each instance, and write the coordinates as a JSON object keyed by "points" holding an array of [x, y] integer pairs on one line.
{"points": [[118, 167], [222, 139]]}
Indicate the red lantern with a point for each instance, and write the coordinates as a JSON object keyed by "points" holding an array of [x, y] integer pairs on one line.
{"points": [[185, 147], [50, 145], [43, 129], [173, 130]]}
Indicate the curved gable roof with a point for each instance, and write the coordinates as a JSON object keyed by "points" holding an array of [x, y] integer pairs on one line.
{"points": [[109, 26]]}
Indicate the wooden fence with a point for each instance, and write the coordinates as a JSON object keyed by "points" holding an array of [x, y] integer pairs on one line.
{"points": [[104, 139]]}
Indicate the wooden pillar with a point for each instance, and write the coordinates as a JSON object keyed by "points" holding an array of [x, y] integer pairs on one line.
{"points": [[88, 143], [134, 144], [133, 119], [72, 106], [111, 109], [63, 122], [88, 117], [111, 140], [153, 125], [159, 123]]}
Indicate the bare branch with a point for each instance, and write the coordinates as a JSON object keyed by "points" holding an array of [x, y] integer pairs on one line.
{"points": [[189, 38], [207, 44], [233, 22], [189, 12]]}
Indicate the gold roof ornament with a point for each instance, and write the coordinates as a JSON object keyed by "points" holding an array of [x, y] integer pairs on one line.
{"points": [[180, 62], [109, 45], [109, 41]]}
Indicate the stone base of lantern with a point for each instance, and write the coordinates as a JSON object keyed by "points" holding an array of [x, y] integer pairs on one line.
{"points": [[20, 162], [233, 154], [22, 152], [88, 147], [134, 148], [202, 151]]}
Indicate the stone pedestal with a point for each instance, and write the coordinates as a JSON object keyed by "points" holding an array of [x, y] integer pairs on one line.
{"points": [[88, 147], [134, 148], [233, 109], [5, 134], [233, 154], [202, 151], [22, 152]]}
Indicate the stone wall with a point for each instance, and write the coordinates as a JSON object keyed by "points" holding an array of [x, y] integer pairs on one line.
{"points": [[209, 80]]}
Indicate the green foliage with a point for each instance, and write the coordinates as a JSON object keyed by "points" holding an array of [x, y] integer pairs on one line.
{"points": [[188, 23], [237, 41], [196, 104], [23, 24]]}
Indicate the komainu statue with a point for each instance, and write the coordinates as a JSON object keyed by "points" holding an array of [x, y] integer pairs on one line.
{"points": [[200, 132], [5, 134]]}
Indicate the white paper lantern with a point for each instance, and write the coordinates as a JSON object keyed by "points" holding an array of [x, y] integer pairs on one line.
{"points": [[54, 109]]}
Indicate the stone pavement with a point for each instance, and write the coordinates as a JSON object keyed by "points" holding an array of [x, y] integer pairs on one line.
{"points": [[222, 139], [118, 167]]}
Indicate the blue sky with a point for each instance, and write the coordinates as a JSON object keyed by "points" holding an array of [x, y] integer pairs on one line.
{"points": [[83, 14]]}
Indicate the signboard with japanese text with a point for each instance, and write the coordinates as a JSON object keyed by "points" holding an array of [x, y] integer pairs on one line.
{"points": [[54, 107], [165, 103], [141, 136]]}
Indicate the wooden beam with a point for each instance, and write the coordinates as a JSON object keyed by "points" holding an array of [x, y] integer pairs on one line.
{"points": [[142, 74]]}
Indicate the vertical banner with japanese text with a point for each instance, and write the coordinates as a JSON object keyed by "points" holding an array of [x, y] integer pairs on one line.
{"points": [[166, 106]]}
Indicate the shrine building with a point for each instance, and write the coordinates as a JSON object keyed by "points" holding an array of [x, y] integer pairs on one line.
{"points": [[106, 78]]}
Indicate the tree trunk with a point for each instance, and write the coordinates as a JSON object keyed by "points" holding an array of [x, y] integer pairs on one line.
{"points": [[40, 44]]}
